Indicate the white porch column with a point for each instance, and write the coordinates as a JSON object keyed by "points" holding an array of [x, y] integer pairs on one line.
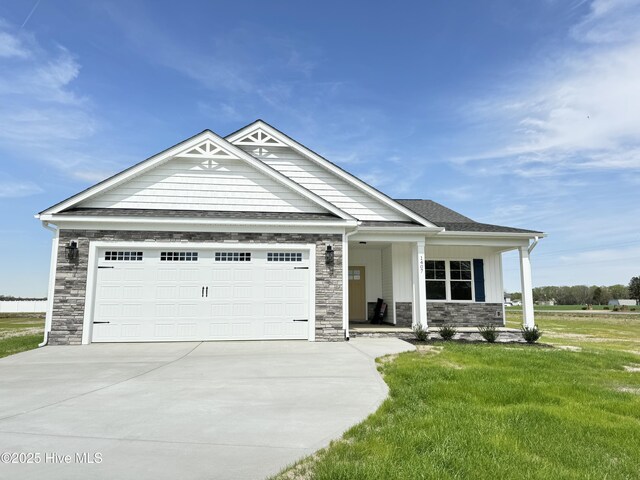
{"points": [[419, 286], [528, 319], [345, 284]]}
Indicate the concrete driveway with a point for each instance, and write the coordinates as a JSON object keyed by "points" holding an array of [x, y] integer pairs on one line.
{"points": [[219, 410]]}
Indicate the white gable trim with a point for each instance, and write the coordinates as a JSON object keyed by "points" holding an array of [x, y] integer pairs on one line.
{"points": [[260, 125], [207, 144]]}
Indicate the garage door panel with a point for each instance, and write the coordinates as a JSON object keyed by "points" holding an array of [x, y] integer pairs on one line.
{"points": [[219, 330], [131, 331], [187, 330], [110, 292], [166, 291], [221, 274], [190, 292], [188, 310], [221, 310], [109, 310], [132, 291], [134, 310], [165, 330], [243, 309], [154, 300]]}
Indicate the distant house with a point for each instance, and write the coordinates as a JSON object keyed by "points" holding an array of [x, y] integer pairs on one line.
{"points": [[546, 302], [623, 301]]}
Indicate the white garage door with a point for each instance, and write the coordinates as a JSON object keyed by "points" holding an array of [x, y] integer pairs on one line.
{"points": [[189, 294]]}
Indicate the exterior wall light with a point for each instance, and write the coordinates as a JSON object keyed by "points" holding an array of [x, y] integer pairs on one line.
{"points": [[329, 255], [72, 251]]}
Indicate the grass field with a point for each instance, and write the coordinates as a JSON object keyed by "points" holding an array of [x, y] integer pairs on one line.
{"points": [[19, 333], [543, 308], [502, 411]]}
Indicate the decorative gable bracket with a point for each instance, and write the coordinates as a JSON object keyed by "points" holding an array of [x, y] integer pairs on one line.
{"points": [[260, 138], [206, 149]]}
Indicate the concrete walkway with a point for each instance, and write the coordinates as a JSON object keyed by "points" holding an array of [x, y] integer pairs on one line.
{"points": [[218, 410]]}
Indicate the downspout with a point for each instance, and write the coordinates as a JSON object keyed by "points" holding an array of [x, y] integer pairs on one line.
{"points": [[533, 244], [52, 279], [345, 281]]}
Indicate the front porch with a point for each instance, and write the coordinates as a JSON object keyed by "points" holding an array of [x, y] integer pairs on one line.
{"points": [[430, 281]]}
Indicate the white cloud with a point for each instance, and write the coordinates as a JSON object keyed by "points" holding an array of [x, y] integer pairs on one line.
{"points": [[581, 109], [13, 189], [43, 117], [11, 46]]}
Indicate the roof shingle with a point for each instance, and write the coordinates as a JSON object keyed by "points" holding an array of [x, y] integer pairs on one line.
{"points": [[453, 221]]}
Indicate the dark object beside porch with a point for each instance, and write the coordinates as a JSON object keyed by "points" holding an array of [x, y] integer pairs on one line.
{"points": [[380, 312]]}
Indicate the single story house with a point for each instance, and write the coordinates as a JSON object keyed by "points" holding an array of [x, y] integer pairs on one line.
{"points": [[623, 302], [254, 236]]}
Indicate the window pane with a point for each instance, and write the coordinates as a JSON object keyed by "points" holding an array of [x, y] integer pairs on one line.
{"points": [[436, 290], [460, 290], [435, 270]]}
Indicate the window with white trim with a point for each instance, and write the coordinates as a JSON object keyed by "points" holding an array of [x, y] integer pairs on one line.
{"points": [[449, 280], [178, 256], [436, 275], [122, 256], [233, 257], [284, 257]]}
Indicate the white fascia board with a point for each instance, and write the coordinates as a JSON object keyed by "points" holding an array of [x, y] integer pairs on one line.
{"points": [[394, 231], [200, 224], [527, 235], [301, 149], [502, 242], [391, 237], [166, 155]]}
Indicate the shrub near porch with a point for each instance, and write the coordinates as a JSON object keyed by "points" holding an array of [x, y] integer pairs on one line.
{"points": [[493, 411]]}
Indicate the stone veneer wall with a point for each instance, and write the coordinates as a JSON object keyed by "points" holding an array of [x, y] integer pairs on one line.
{"points": [[404, 314], [71, 278], [464, 314]]}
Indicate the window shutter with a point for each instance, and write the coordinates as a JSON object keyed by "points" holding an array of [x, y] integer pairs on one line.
{"points": [[478, 279]]}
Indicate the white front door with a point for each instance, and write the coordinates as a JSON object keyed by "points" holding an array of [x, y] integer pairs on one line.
{"points": [[150, 294]]}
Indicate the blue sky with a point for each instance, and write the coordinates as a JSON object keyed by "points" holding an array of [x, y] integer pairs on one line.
{"points": [[511, 112]]}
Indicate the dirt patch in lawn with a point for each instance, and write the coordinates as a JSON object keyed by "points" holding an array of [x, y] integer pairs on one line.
{"points": [[20, 333], [429, 349], [635, 391], [569, 348]]}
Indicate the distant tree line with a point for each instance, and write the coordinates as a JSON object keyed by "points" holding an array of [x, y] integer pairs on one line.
{"points": [[7, 298], [578, 294]]}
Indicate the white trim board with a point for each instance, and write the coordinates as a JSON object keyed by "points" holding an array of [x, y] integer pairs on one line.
{"points": [[311, 155], [92, 270], [148, 225]]}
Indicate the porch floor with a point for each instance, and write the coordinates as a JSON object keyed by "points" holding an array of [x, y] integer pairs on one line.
{"points": [[380, 327]]}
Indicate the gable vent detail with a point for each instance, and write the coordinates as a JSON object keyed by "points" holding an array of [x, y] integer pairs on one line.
{"points": [[206, 149], [261, 138]]}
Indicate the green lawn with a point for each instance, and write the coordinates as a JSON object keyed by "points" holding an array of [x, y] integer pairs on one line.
{"points": [[567, 307], [599, 332], [19, 333], [502, 411]]}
